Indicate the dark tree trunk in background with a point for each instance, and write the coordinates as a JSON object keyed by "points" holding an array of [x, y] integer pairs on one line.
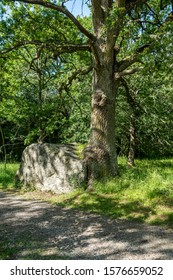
{"points": [[135, 110], [3, 146], [132, 141]]}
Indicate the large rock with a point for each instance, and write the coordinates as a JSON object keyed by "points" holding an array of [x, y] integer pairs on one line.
{"points": [[51, 167]]}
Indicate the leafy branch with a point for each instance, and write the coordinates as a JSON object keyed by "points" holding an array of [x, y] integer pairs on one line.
{"points": [[62, 10], [66, 86]]}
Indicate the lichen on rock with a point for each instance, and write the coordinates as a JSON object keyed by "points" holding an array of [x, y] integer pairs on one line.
{"points": [[51, 167]]}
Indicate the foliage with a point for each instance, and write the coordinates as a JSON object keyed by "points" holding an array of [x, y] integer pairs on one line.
{"points": [[36, 101], [153, 97], [7, 176]]}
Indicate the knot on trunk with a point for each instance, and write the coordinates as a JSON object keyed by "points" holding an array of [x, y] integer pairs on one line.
{"points": [[96, 163], [99, 99], [96, 153]]}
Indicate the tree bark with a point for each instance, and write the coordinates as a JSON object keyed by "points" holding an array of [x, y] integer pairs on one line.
{"points": [[132, 141], [4, 147], [100, 157], [135, 110]]}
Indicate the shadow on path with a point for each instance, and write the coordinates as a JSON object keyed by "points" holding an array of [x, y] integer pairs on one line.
{"points": [[38, 230]]}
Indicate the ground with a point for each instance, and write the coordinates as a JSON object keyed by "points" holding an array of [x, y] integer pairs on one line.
{"points": [[31, 229]]}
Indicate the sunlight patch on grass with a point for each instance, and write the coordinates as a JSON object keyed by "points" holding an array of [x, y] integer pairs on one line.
{"points": [[7, 176]]}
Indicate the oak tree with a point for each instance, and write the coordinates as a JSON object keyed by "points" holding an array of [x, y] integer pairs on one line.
{"points": [[122, 32]]}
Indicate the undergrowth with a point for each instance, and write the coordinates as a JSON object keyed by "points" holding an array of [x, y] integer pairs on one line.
{"points": [[7, 175]]}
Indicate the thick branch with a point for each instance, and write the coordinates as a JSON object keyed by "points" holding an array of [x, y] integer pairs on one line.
{"points": [[66, 86], [130, 5], [62, 10], [100, 10], [69, 48], [53, 46], [74, 76], [118, 75], [125, 7], [128, 62], [124, 64], [131, 98]]}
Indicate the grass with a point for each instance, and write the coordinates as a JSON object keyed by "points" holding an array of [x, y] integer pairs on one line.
{"points": [[143, 193], [7, 176], [31, 250]]}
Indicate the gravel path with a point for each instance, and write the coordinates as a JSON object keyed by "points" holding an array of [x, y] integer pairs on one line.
{"points": [[38, 230]]}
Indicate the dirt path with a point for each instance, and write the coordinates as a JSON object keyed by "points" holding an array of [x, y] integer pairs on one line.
{"points": [[38, 230]]}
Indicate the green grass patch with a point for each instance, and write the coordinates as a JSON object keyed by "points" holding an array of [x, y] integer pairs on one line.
{"points": [[6, 252], [28, 249], [79, 149], [7, 176]]}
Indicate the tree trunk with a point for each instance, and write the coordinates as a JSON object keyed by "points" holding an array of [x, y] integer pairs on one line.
{"points": [[132, 141], [4, 147], [40, 102], [100, 155], [40, 97], [135, 111]]}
